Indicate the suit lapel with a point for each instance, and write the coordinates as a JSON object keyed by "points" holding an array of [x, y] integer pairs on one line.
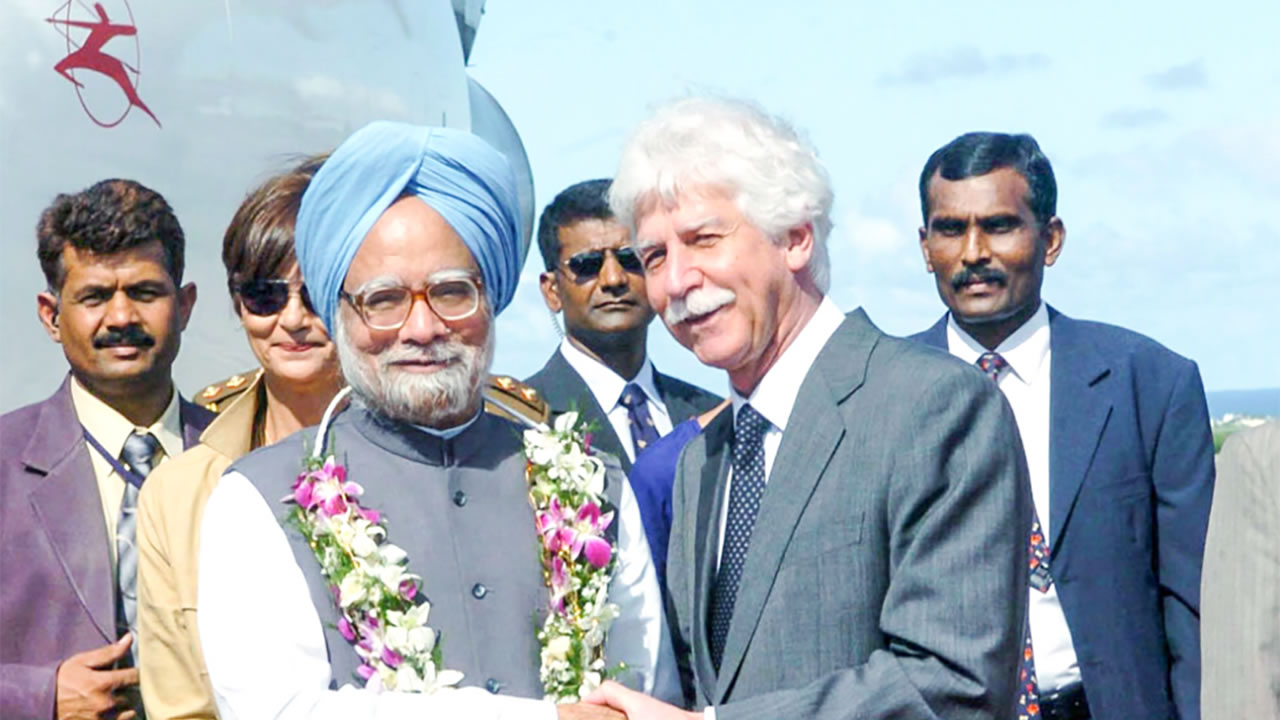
{"points": [[1078, 413], [679, 408], [68, 508], [194, 419], [935, 336], [565, 390], [719, 436], [803, 456]]}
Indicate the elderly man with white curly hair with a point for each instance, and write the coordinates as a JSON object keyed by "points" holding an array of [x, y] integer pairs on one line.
{"points": [[850, 541]]}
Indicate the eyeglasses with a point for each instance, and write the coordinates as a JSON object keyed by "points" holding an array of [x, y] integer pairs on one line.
{"points": [[454, 296], [268, 297], [586, 265]]}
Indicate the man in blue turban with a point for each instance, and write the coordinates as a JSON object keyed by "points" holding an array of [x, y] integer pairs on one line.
{"points": [[408, 241]]}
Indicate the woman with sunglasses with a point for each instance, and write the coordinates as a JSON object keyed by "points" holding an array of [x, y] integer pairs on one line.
{"points": [[298, 377]]}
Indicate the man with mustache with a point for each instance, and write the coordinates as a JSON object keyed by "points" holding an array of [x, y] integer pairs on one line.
{"points": [[602, 368], [846, 540], [1117, 441], [71, 465], [407, 238]]}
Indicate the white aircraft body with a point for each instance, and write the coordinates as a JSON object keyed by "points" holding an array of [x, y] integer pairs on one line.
{"points": [[200, 101]]}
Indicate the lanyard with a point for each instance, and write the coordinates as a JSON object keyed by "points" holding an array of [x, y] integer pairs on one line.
{"points": [[129, 476]]}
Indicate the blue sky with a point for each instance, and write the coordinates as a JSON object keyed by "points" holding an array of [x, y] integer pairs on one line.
{"points": [[1162, 122]]}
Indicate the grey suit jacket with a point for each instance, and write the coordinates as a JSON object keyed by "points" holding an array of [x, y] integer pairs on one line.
{"points": [[886, 575], [57, 597], [1240, 591]]}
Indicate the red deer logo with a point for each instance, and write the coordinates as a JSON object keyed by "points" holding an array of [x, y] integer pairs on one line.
{"points": [[102, 77]]}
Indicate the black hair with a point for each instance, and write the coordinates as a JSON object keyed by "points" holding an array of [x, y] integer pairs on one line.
{"points": [[978, 153], [108, 217], [587, 200]]}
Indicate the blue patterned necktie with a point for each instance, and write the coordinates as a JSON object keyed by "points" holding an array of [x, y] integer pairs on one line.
{"points": [[992, 363], [745, 492], [643, 432], [139, 455]]}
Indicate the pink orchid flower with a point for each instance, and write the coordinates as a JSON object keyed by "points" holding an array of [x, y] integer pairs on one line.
{"points": [[590, 526], [559, 584]]}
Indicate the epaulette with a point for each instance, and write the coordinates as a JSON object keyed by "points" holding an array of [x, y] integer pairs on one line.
{"points": [[218, 396], [515, 398]]}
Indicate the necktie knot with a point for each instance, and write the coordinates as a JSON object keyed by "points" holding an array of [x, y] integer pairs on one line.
{"points": [[643, 431], [140, 452], [632, 396], [992, 363], [749, 426]]}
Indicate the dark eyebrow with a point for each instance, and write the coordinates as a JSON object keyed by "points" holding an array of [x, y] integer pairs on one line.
{"points": [[948, 223], [88, 290], [1002, 221]]}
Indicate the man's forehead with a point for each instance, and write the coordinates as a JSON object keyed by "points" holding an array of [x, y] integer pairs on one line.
{"points": [[140, 259], [1003, 190], [593, 233]]}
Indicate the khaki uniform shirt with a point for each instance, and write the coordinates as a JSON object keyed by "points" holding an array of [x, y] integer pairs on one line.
{"points": [[175, 683]]}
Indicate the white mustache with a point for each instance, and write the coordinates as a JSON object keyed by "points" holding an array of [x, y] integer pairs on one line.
{"points": [[441, 351], [699, 301]]}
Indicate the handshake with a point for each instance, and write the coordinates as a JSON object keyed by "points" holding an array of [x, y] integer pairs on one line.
{"points": [[615, 702]]}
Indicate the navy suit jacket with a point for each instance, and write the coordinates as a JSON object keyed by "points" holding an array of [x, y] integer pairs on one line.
{"points": [[1130, 484], [57, 597], [564, 390]]}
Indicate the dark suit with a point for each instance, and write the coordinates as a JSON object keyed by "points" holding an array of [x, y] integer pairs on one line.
{"points": [[57, 597], [1130, 484], [564, 390], [886, 572]]}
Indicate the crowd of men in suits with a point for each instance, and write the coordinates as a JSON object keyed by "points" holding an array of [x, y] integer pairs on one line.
{"points": [[1002, 516]]}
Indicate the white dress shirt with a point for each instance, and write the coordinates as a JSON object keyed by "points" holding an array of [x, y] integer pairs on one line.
{"points": [[774, 397], [1025, 384], [606, 387], [264, 645], [776, 392]]}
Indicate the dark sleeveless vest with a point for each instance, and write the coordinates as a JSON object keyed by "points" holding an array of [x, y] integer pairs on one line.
{"points": [[460, 509]]}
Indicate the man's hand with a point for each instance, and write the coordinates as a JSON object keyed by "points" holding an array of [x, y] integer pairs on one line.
{"points": [[87, 686], [637, 706], [583, 711]]}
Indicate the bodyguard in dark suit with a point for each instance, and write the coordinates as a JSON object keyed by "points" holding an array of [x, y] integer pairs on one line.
{"points": [[602, 369], [849, 542], [1117, 440], [70, 465]]}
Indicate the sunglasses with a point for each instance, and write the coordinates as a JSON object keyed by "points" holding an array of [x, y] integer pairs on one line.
{"points": [[586, 265], [268, 297]]}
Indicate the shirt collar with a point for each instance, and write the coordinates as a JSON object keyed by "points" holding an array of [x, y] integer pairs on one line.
{"points": [[776, 392], [606, 386], [1025, 349], [452, 432], [110, 428]]}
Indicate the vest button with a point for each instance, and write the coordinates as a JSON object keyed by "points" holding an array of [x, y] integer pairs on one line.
{"points": [[478, 591], [460, 499], [493, 686]]}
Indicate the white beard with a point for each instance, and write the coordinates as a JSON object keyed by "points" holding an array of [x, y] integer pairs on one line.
{"points": [[445, 396]]}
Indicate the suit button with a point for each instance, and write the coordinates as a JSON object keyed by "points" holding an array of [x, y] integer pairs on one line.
{"points": [[493, 686], [460, 499], [478, 591]]}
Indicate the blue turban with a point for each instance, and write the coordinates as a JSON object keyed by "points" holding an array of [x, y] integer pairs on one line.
{"points": [[460, 176]]}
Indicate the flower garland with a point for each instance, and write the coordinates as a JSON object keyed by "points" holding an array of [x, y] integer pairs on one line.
{"points": [[370, 581], [566, 488]]}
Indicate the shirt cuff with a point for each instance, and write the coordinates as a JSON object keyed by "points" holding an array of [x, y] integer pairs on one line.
{"points": [[709, 713]]}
